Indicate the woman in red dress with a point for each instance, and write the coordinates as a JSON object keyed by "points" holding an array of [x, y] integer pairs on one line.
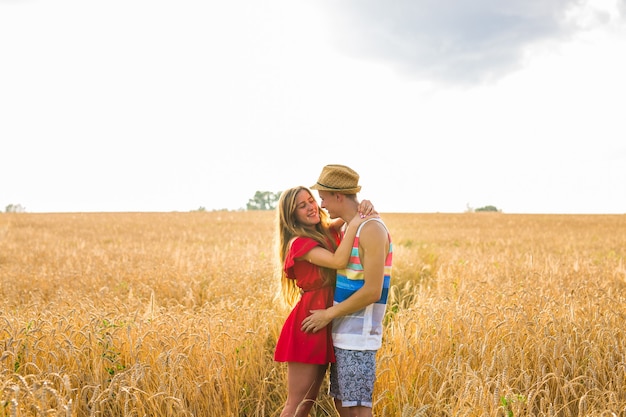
{"points": [[310, 252]]}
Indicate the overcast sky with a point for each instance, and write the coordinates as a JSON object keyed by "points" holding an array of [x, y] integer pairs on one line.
{"points": [[440, 105]]}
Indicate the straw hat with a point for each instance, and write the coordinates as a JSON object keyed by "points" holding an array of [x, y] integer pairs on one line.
{"points": [[338, 179]]}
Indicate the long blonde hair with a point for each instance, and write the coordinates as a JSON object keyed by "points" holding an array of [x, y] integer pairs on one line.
{"points": [[288, 227]]}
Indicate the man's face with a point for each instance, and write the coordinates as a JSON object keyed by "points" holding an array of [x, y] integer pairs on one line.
{"points": [[329, 203]]}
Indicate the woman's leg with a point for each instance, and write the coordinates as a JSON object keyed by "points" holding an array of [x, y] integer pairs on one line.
{"points": [[303, 384]]}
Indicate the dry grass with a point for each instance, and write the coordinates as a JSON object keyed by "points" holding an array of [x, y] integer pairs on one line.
{"points": [[173, 314]]}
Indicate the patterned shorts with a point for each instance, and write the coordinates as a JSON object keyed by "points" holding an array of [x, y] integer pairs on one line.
{"points": [[352, 377]]}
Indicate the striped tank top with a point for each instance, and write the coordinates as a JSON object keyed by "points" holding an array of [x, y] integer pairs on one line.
{"points": [[361, 330]]}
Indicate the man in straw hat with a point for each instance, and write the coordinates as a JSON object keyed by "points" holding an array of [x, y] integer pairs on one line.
{"points": [[360, 296]]}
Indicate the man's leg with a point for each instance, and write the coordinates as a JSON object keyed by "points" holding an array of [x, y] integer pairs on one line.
{"points": [[356, 411]]}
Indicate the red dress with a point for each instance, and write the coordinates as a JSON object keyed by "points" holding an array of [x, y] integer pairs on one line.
{"points": [[293, 344]]}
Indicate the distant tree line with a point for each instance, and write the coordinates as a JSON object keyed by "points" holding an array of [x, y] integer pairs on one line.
{"points": [[15, 208], [263, 200], [268, 200], [483, 209], [487, 208]]}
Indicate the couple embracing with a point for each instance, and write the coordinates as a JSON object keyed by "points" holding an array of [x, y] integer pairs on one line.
{"points": [[336, 270]]}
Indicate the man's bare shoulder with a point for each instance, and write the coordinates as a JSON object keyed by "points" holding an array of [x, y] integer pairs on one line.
{"points": [[373, 232]]}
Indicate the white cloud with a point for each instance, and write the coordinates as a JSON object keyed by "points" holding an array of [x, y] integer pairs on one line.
{"points": [[460, 43]]}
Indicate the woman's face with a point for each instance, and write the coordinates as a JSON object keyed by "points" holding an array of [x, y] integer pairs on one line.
{"points": [[307, 211]]}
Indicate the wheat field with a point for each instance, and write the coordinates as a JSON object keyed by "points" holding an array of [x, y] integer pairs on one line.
{"points": [[174, 314]]}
